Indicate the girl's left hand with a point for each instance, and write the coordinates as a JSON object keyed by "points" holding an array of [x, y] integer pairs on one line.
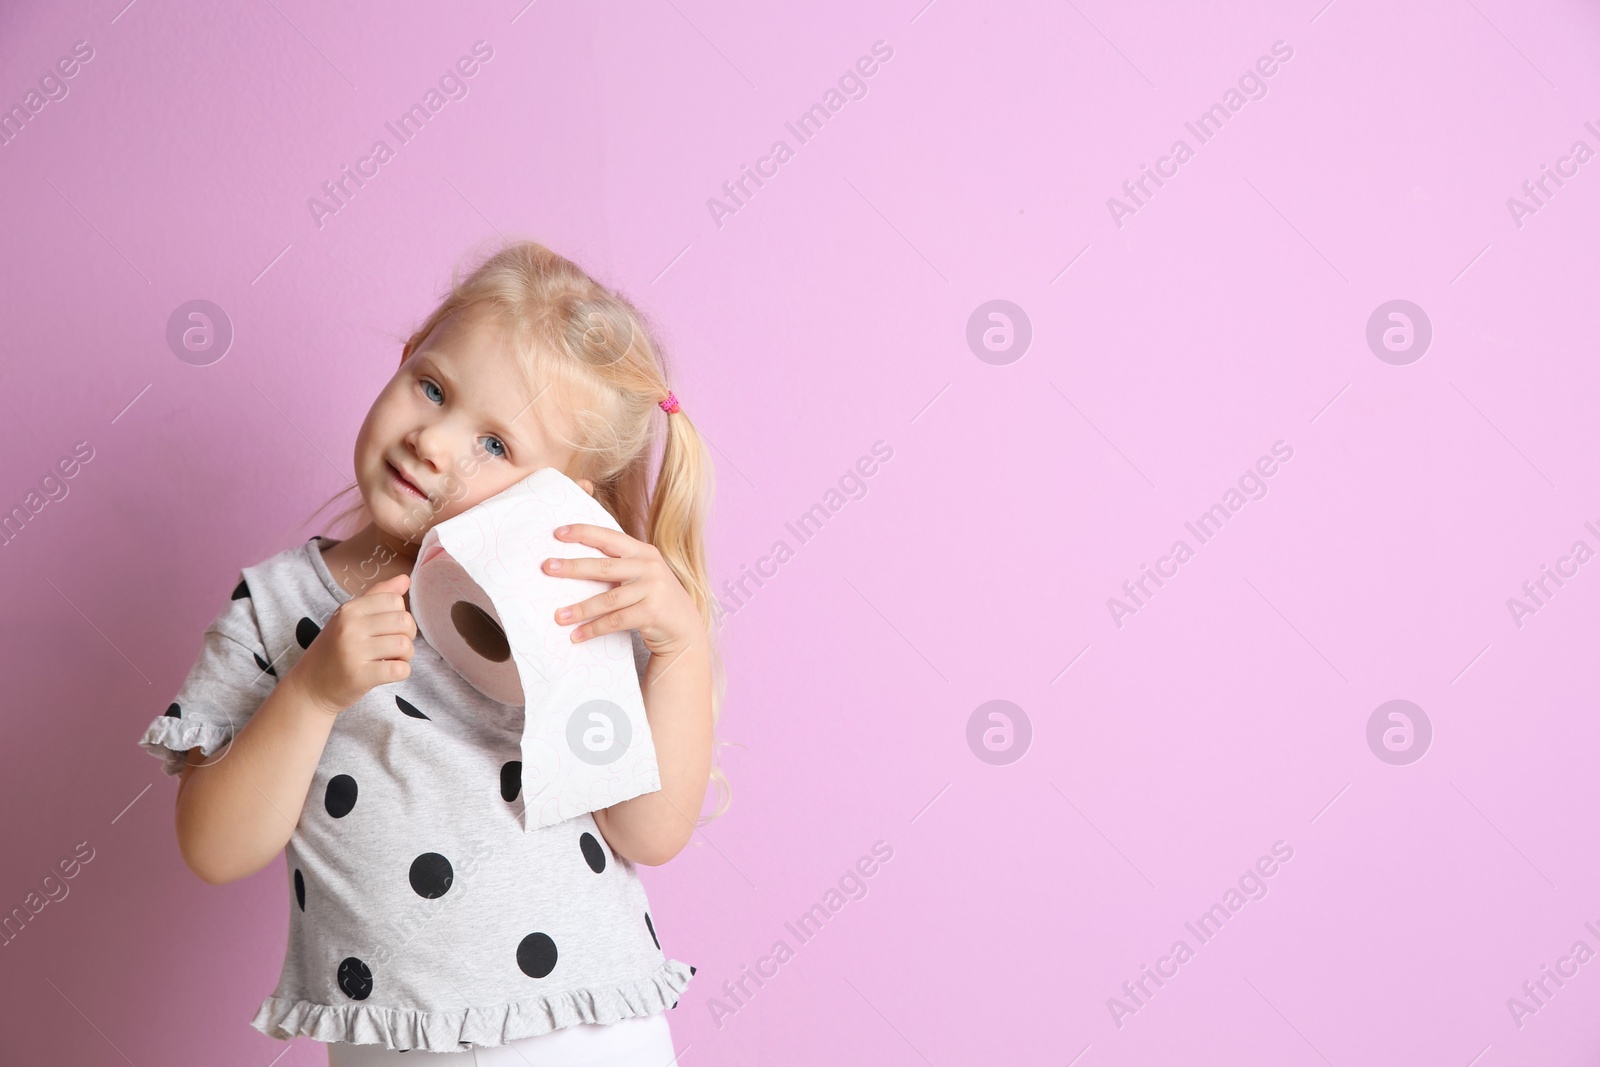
{"points": [[649, 598]]}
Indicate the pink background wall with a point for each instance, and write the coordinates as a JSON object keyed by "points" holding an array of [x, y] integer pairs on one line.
{"points": [[1165, 755]]}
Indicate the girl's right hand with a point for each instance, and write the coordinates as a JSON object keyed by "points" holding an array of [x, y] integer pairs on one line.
{"points": [[367, 642]]}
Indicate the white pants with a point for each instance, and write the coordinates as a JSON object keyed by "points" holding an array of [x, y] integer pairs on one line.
{"points": [[642, 1041]]}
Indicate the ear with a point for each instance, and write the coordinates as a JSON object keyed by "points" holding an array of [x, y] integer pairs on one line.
{"points": [[588, 486]]}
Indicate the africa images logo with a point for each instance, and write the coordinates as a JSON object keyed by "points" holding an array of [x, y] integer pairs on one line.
{"points": [[452, 86], [1252, 85]]}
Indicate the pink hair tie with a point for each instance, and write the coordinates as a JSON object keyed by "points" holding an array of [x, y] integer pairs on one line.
{"points": [[670, 404]]}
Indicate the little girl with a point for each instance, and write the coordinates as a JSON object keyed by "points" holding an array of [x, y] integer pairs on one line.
{"points": [[318, 722]]}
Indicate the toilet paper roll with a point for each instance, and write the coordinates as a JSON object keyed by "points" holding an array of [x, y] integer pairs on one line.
{"points": [[483, 600]]}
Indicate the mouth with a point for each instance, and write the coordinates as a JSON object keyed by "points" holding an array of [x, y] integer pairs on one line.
{"points": [[404, 484]]}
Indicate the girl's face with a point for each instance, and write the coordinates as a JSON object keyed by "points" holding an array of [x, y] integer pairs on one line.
{"points": [[454, 426]]}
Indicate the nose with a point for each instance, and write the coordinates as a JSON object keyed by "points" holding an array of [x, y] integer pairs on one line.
{"points": [[430, 444]]}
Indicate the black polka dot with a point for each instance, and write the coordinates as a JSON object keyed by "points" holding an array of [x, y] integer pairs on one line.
{"points": [[593, 853], [431, 875], [241, 590], [300, 888], [341, 795], [652, 928], [306, 631], [175, 711], [691, 969], [408, 708], [536, 955], [674, 1003], [511, 779], [355, 978], [264, 665]]}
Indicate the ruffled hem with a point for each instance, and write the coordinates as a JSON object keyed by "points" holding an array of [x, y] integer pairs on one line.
{"points": [[170, 739], [452, 1031]]}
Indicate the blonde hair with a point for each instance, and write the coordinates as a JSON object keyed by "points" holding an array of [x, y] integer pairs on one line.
{"points": [[597, 351]]}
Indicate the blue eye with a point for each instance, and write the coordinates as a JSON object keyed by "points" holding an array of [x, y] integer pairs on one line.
{"points": [[430, 388]]}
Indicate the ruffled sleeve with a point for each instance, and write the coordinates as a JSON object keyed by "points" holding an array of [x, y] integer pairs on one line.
{"points": [[228, 682]]}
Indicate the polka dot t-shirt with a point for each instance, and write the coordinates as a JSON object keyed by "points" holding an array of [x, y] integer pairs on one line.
{"points": [[421, 914]]}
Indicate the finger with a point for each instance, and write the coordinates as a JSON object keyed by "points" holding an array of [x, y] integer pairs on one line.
{"points": [[399, 583], [612, 542], [392, 622], [614, 599], [384, 671], [629, 618], [390, 646], [375, 603], [601, 568]]}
